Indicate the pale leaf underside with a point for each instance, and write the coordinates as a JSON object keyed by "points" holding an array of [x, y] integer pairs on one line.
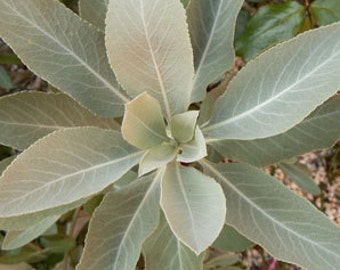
{"points": [[279, 88], [286, 225], [72, 59], [163, 250], [28, 116], [94, 11], [211, 27], [121, 224], [190, 200], [320, 130], [64, 167], [149, 49]]}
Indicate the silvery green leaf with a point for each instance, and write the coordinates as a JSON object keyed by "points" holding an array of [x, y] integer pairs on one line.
{"points": [[64, 167], [319, 130], [231, 240], [94, 11], [25, 221], [300, 175], [16, 239], [143, 124], [211, 27], [194, 150], [149, 49], [265, 211], [73, 59], [183, 125], [156, 157], [163, 250], [190, 200], [121, 224], [278, 89], [28, 116]]}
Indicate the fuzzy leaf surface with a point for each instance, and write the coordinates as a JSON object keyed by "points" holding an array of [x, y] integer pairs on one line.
{"points": [[183, 126], [73, 59], [149, 49], [292, 79], [156, 157], [26, 221], [307, 136], [271, 24], [94, 11], [121, 224], [194, 150], [163, 250], [286, 225], [190, 200], [143, 124], [16, 239], [211, 26], [300, 175], [231, 240], [63, 167], [28, 116]]}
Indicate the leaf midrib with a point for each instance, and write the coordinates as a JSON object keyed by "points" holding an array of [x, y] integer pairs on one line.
{"points": [[273, 98], [259, 209], [206, 49], [135, 215], [62, 178], [71, 53], [154, 61]]}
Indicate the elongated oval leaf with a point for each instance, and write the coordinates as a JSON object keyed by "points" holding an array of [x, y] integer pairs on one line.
{"points": [[143, 124], [120, 225], [5, 80], [300, 175], [211, 27], [26, 221], [16, 239], [28, 116], [320, 130], [231, 240], [268, 213], [190, 200], [64, 167], [67, 52], [94, 11], [278, 89], [163, 250], [149, 49]]}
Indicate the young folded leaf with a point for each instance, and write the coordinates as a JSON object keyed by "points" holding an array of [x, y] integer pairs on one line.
{"points": [[183, 125], [143, 124]]}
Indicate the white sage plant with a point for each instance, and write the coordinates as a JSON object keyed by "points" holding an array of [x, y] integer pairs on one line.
{"points": [[146, 64]]}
